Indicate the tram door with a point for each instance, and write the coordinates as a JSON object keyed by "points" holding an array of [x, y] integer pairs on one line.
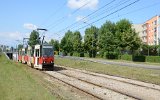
{"points": [[37, 56]]}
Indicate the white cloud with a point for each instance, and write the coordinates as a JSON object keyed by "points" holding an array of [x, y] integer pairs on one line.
{"points": [[11, 35], [92, 4], [30, 26], [27, 35], [81, 18], [9, 38]]}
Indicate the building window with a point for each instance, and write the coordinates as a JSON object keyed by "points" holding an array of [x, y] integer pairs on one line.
{"points": [[155, 22], [155, 29]]}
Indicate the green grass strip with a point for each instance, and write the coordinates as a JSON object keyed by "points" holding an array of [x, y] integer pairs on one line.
{"points": [[17, 84], [146, 75]]}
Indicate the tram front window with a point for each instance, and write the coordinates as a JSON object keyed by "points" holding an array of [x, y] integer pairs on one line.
{"points": [[47, 52]]}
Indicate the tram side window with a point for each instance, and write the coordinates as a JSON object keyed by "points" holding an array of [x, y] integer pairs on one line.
{"points": [[37, 52], [31, 52]]}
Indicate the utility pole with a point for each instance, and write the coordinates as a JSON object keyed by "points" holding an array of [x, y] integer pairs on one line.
{"points": [[148, 50], [158, 45]]}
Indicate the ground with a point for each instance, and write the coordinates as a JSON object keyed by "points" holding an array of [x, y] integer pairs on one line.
{"points": [[137, 73], [17, 84], [19, 81]]}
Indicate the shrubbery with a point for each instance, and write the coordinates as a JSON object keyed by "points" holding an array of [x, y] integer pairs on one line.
{"points": [[0, 51], [125, 57], [155, 59], [138, 58], [114, 55], [111, 55], [78, 54]]}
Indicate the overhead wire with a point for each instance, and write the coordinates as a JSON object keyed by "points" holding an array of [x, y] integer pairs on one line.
{"points": [[104, 11], [57, 22], [139, 9], [108, 14], [54, 13], [87, 16]]}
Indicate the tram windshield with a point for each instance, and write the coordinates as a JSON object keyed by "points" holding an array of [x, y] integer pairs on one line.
{"points": [[47, 51]]}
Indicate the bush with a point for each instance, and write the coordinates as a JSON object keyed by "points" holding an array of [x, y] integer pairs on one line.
{"points": [[125, 57], [82, 54], [86, 54], [64, 54], [71, 54], [155, 59], [75, 54], [78, 54], [111, 55], [90, 54], [139, 58], [0, 51], [101, 54]]}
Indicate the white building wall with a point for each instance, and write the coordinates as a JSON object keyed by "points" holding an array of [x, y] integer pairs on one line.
{"points": [[139, 29]]}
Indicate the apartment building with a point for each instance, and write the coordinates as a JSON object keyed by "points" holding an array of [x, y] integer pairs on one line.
{"points": [[151, 31], [139, 29]]}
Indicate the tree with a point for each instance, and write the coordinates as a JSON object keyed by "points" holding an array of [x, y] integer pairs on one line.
{"points": [[51, 42], [34, 38], [63, 45], [20, 46], [55, 44], [0, 50], [150, 50], [90, 40], [67, 42], [77, 41], [107, 39], [127, 37]]}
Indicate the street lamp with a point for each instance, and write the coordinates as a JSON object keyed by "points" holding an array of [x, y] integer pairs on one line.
{"points": [[92, 36]]}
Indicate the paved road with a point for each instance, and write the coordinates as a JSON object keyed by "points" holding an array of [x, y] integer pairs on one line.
{"points": [[130, 64]]}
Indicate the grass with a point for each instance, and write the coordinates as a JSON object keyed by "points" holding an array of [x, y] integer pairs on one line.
{"points": [[146, 75], [119, 60], [17, 84]]}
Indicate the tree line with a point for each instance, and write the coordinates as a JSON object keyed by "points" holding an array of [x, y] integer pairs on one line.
{"points": [[111, 38]]}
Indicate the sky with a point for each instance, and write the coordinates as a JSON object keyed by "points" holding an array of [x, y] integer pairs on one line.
{"points": [[18, 18]]}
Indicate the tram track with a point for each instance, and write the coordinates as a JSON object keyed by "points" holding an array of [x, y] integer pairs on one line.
{"points": [[73, 86], [95, 90], [101, 96], [121, 79], [138, 89], [117, 78], [102, 86]]}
